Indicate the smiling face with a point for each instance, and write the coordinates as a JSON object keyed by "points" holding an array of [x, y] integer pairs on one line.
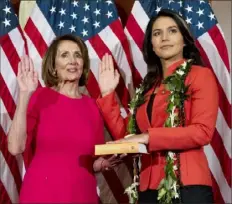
{"points": [[69, 61], [167, 40]]}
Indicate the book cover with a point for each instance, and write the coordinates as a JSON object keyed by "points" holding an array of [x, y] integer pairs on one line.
{"points": [[120, 148]]}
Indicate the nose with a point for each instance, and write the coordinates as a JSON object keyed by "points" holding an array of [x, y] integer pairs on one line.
{"points": [[72, 60], [164, 36]]}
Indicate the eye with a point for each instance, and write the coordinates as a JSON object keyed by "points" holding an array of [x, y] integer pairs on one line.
{"points": [[78, 55], [156, 33], [173, 30], [64, 55]]}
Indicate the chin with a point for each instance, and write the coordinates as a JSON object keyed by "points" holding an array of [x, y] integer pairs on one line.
{"points": [[168, 56]]}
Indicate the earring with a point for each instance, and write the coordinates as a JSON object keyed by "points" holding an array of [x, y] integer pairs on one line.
{"points": [[54, 72]]}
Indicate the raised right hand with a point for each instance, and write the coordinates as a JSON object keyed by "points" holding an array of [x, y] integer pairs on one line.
{"points": [[27, 76], [108, 76]]}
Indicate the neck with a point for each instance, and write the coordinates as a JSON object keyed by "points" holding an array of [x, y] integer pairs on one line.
{"points": [[168, 62], [70, 89]]}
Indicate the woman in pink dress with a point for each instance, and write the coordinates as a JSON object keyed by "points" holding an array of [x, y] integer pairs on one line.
{"points": [[65, 124]]}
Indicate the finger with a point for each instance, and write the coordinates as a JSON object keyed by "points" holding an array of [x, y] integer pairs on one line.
{"points": [[112, 157], [35, 76], [107, 61], [129, 135], [110, 142], [103, 63], [116, 75], [111, 63], [31, 64], [27, 67], [100, 68], [122, 156], [19, 69], [31, 69], [23, 66]]}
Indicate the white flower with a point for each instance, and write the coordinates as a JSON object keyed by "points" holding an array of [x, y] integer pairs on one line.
{"points": [[137, 90], [180, 72], [172, 116], [172, 155], [175, 168], [184, 65], [131, 111], [174, 187]]}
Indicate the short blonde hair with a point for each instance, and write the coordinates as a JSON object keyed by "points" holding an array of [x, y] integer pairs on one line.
{"points": [[48, 64]]}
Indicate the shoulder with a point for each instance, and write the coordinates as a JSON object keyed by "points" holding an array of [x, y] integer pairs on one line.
{"points": [[200, 76], [39, 93], [90, 101], [200, 73]]}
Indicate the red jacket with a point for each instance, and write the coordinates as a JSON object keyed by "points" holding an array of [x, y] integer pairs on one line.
{"points": [[201, 113]]}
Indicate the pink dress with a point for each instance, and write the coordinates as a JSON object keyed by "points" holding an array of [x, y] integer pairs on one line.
{"points": [[66, 131]]}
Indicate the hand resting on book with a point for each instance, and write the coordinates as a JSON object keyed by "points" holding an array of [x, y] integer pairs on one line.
{"points": [[140, 138]]}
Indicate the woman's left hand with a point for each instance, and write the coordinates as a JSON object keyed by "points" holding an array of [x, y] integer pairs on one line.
{"points": [[108, 162], [141, 138]]}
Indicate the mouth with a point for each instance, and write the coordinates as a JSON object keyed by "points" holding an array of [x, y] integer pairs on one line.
{"points": [[164, 47], [72, 70]]}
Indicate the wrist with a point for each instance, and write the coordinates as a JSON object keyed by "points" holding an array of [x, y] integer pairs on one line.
{"points": [[24, 98]]}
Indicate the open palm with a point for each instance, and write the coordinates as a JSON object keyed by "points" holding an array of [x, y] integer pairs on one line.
{"points": [[108, 76], [27, 76]]}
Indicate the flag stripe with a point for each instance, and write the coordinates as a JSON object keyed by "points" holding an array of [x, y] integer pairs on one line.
{"points": [[121, 35], [216, 64], [107, 36], [135, 31], [7, 180], [218, 173], [220, 44], [224, 132], [9, 76], [4, 197], [225, 160], [6, 97], [9, 50], [137, 56], [223, 102], [10, 161], [115, 186], [42, 27], [36, 37], [216, 192]]}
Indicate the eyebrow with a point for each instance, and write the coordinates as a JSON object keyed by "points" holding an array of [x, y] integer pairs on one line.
{"points": [[161, 29], [65, 51]]}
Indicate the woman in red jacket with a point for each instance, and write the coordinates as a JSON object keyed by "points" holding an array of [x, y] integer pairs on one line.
{"points": [[177, 117]]}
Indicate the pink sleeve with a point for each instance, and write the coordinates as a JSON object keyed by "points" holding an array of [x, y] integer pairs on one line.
{"points": [[32, 117]]}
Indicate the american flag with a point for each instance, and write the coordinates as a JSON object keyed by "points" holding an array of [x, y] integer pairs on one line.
{"points": [[12, 47], [97, 22], [211, 43]]}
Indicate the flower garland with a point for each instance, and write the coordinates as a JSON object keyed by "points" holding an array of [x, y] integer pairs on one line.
{"points": [[169, 187], [137, 100]]}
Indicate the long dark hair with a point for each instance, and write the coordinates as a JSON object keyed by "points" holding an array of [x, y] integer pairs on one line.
{"points": [[155, 72]]}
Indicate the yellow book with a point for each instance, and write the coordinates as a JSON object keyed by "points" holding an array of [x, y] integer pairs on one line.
{"points": [[120, 148]]}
